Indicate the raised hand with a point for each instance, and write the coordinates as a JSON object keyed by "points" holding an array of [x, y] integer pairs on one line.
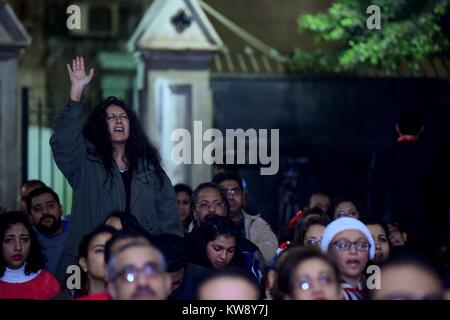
{"points": [[78, 77]]}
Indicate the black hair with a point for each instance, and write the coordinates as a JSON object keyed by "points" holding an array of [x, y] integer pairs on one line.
{"points": [[127, 220], [346, 198], [302, 228], [130, 233], [294, 257], [174, 250], [38, 192], [399, 227], [371, 220], [35, 260], [33, 183], [227, 175], [205, 185], [212, 227], [83, 248], [181, 187], [138, 147], [410, 121]]}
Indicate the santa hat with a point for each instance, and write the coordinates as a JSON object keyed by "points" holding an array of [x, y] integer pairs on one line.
{"points": [[343, 224]]}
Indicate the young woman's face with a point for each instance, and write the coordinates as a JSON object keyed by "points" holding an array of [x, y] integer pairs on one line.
{"points": [[350, 252], [95, 262], [221, 251], [314, 279], [16, 245], [396, 237], [381, 243], [346, 209], [313, 235], [118, 124], [184, 205]]}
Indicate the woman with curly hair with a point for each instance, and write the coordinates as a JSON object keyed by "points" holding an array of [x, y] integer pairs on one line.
{"points": [[21, 261], [110, 165]]}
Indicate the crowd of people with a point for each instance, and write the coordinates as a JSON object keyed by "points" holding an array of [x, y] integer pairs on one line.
{"points": [[328, 254], [131, 235]]}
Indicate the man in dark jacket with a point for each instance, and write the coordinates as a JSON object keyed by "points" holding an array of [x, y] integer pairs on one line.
{"points": [[406, 186]]}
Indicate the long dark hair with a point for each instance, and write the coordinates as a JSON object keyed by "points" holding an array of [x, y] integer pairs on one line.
{"points": [[138, 147], [35, 260]]}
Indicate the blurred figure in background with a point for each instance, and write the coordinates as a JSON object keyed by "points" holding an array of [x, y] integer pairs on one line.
{"points": [[320, 200], [397, 235], [183, 193], [230, 284], [408, 278], [379, 231], [408, 184], [120, 220], [346, 207], [26, 188], [185, 276]]}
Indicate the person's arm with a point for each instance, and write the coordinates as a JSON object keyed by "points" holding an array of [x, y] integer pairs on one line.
{"points": [[78, 78], [265, 239], [166, 208], [67, 142]]}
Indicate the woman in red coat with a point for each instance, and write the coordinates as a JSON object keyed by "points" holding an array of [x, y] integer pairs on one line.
{"points": [[21, 261]]}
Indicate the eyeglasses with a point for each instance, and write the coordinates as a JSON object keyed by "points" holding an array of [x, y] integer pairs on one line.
{"points": [[306, 284], [312, 242], [130, 272], [206, 206], [345, 245], [234, 192], [350, 214]]}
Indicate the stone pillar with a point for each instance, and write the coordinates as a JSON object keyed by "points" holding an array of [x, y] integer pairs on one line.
{"points": [[174, 44], [13, 38]]}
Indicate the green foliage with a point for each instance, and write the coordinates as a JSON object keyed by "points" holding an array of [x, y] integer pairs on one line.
{"points": [[410, 32]]}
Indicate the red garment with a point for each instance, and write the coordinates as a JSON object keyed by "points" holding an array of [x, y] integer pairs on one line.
{"points": [[293, 222], [96, 296], [407, 138], [44, 286]]}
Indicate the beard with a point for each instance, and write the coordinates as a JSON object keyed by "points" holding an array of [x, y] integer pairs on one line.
{"points": [[48, 229]]}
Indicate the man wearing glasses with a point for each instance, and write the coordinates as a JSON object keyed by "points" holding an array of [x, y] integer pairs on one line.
{"points": [[252, 227], [137, 271], [208, 198]]}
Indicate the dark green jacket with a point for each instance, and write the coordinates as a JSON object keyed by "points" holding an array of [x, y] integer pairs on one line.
{"points": [[94, 197]]}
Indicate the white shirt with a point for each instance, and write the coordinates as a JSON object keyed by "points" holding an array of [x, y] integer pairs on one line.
{"points": [[18, 275]]}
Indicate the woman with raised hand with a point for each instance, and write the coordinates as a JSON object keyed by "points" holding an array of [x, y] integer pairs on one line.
{"points": [[110, 165]]}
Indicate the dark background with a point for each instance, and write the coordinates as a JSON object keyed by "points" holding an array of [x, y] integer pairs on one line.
{"points": [[328, 127]]}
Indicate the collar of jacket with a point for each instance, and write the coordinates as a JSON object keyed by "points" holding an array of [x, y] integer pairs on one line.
{"points": [[143, 173]]}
